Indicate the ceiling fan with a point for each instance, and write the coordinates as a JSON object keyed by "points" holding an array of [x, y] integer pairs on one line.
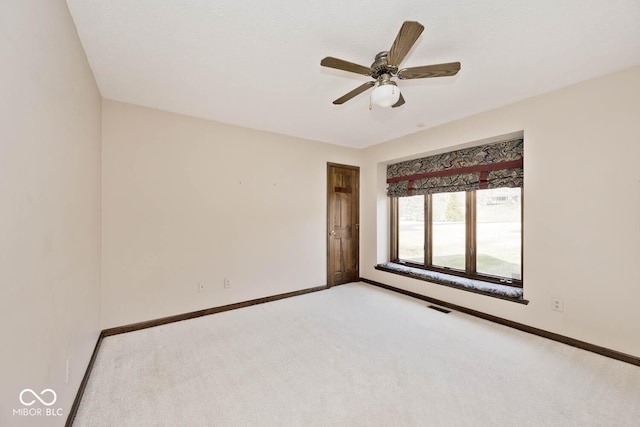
{"points": [[385, 67]]}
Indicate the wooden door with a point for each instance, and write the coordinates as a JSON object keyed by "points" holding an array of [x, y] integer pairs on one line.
{"points": [[343, 190]]}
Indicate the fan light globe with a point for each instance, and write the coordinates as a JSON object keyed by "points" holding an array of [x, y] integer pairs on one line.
{"points": [[385, 95]]}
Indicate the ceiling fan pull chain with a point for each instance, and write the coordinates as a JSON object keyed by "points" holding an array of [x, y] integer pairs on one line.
{"points": [[370, 106]]}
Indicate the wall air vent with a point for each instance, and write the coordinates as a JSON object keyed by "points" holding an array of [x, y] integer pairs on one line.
{"points": [[440, 309]]}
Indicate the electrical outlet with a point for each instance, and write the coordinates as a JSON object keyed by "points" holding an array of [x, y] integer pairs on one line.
{"points": [[557, 304], [68, 370], [201, 287], [227, 283]]}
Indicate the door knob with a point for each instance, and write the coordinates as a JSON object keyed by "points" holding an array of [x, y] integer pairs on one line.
{"points": [[333, 232]]}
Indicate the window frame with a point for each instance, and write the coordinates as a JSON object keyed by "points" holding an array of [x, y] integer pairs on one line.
{"points": [[470, 247]]}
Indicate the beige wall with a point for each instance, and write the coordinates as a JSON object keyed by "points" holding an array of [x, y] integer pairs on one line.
{"points": [[49, 206], [581, 214], [188, 201]]}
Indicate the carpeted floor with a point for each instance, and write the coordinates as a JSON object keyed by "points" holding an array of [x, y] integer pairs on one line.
{"points": [[354, 355]]}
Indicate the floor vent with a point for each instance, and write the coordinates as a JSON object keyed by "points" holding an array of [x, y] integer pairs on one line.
{"points": [[443, 310]]}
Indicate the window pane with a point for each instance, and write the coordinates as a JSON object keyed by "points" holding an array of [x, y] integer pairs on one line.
{"points": [[449, 231], [499, 228], [411, 229]]}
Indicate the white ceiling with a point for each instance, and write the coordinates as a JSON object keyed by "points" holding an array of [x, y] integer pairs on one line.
{"points": [[257, 63]]}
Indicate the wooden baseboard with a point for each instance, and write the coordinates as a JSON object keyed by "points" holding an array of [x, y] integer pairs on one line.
{"points": [[634, 360], [83, 383], [163, 321], [192, 315]]}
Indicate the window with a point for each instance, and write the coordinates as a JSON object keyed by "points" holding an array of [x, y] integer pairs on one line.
{"points": [[448, 236], [499, 232], [460, 212], [475, 233], [411, 229]]}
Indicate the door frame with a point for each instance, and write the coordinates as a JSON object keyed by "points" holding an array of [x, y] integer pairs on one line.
{"points": [[356, 225]]}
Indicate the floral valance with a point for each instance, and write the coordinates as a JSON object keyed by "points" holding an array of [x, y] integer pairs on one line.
{"points": [[488, 166]]}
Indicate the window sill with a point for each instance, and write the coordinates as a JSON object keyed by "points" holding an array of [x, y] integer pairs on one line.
{"points": [[495, 290]]}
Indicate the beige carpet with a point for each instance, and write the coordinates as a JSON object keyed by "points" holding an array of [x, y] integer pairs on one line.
{"points": [[354, 355]]}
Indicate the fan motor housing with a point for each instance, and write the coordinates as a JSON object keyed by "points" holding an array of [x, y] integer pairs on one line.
{"points": [[380, 66]]}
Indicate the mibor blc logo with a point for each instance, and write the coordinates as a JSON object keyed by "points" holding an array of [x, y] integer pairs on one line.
{"points": [[46, 398]]}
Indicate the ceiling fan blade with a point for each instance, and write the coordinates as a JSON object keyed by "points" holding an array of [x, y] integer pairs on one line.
{"points": [[399, 103], [341, 64], [407, 36], [437, 70], [356, 91]]}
